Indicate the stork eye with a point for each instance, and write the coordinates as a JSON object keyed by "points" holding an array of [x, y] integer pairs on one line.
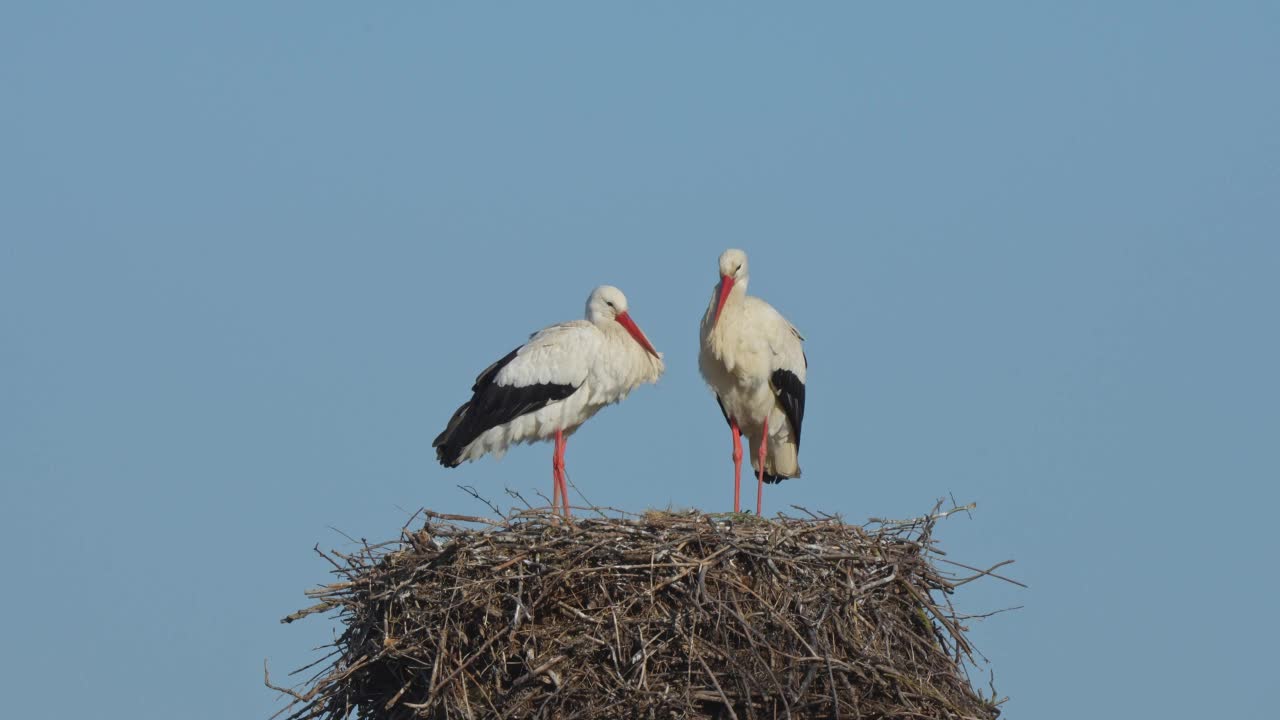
{"points": [[610, 304], [735, 270]]}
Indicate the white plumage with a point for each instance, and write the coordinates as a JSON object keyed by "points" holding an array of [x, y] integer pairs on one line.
{"points": [[754, 361], [549, 386]]}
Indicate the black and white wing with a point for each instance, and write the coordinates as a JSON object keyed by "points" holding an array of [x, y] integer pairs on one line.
{"points": [[549, 368]]}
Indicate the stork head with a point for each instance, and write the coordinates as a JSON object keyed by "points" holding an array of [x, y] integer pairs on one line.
{"points": [[607, 304], [733, 273]]}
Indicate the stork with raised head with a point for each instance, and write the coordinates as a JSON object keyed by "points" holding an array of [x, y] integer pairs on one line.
{"points": [[547, 387], [754, 362]]}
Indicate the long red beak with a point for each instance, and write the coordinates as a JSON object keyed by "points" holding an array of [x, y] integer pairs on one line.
{"points": [[726, 286], [625, 321]]}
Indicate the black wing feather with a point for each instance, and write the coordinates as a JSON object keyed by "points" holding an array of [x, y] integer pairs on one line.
{"points": [[722, 410], [790, 393], [492, 405]]}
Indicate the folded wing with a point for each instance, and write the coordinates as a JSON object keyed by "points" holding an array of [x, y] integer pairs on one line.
{"points": [[547, 369]]}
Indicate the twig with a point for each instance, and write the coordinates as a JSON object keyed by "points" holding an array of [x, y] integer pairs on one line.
{"points": [[470, 490], [982, 573]]}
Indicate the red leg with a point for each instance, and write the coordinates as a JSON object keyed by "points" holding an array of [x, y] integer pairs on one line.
{"points": [[561, 484], [557, 471], [737, 464], [764, 448], [565, 481], [555, 477]]}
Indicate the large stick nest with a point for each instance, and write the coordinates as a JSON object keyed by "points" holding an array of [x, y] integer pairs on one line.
{"points": [[666, 615]]}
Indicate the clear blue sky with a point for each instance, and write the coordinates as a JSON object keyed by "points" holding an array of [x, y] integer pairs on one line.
{"points": [[251, 258]]}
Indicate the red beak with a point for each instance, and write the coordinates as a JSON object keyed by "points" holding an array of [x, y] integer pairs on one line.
{"points": [[726, 286], [625, 321]]}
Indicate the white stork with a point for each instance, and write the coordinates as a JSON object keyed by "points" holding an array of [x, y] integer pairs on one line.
{"points": [[754, 362], [552, 384]]}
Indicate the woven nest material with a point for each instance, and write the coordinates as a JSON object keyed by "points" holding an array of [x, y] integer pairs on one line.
{"points": [[665, 615]]}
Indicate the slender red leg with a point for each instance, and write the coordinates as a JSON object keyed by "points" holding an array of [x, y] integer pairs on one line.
{"points": [[555, 477], [737, 464], [557, 472], [563, 479], [764, 447]]}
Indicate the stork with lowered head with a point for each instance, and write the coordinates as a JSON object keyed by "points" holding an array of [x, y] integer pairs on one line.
{"points": [[754, 361]]}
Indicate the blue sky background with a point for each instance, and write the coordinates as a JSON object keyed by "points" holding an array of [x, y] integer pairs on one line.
{"points": [[252, 256]]}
